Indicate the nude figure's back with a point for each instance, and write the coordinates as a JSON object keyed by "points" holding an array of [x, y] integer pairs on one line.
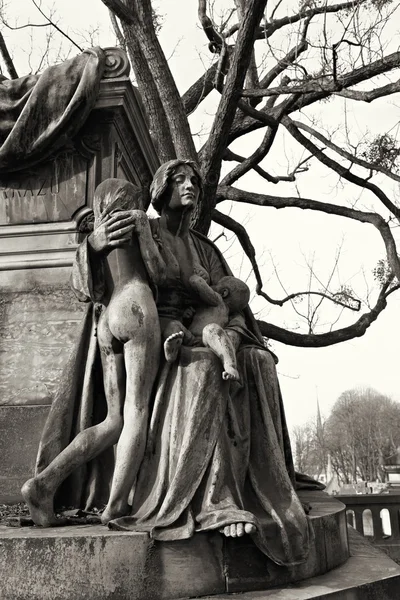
{"points": [[130, 306]]}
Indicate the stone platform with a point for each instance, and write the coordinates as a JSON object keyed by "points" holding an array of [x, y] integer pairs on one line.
{"points": [[369, 574], [90, 562]]}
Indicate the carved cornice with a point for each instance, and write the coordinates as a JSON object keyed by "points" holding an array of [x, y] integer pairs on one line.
{"points": [[37, 229], [38, 245], [120, 93]]}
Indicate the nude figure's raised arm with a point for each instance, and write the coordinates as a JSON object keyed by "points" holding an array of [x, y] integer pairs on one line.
{"points": [[154, 263]]}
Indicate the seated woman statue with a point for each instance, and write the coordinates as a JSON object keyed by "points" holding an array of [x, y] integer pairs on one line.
{"points": [[217, 451]]}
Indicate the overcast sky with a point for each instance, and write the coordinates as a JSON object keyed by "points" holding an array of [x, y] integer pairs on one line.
{"points": [[288, 239]]}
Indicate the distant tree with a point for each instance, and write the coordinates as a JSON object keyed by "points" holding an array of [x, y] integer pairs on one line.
{"points": [[309, 448], [362, 430]]}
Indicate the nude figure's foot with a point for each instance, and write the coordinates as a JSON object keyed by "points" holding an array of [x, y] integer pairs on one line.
{"points": [[114, 512], [40, 504], [238, 529], [172, 345], [230, 373]]}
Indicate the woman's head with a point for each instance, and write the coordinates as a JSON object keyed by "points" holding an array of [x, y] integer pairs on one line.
{"points": [[161, 187], [115, 194]]}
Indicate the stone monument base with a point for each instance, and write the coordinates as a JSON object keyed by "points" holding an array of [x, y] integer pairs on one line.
{"points": [[90, 562], [369, 574]]}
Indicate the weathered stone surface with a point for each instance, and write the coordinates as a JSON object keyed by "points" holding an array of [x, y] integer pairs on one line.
{"points": [[50, 192], [248, 569], [368, 575], [92, 562], [37, 330], [20, 429]]}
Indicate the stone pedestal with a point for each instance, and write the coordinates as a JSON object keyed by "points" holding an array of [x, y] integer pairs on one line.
{"points": [[94, 563], [43, 217]]}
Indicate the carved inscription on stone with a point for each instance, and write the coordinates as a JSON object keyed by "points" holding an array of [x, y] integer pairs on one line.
{"points": [[51, 192], [37, 331]]}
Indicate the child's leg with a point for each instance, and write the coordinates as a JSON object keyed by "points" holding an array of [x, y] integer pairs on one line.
{"points": [[217, 339], [174, 335], [39, 491], [141, 365]]}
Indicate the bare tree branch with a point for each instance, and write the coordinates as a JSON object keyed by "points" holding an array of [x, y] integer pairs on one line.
{"points": [[351, 157], [230, 193], [316, 93], [286, 61], [229, 155], [321, 340], [338, 168], [371, 95], [216, 40], [212, 156], [268, 29], [56, 26], [8, 61], [199, 90]]}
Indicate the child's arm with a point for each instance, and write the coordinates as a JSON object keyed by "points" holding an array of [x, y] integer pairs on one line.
{"points": [[152, 258], [204, 291]]}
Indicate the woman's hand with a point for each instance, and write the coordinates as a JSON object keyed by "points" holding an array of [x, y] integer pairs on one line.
{"points": [[116, 229]]}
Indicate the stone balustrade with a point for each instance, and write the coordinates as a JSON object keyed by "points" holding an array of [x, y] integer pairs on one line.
{"points": [[376, 516]]}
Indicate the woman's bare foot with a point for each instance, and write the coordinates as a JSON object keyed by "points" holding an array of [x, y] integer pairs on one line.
{"points": [[172, 345], [41, 504], [230, 373], [238, 529]]}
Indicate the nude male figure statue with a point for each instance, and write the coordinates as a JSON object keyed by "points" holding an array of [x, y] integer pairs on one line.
{"points": [[129, 339]]}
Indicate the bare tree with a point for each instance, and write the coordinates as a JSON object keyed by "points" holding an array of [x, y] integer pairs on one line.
{"points": [[309, 448], [273, 65], [362, 430]]}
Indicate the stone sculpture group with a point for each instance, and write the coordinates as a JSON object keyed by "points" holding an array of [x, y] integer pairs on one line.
{"points": [[192, 396]]}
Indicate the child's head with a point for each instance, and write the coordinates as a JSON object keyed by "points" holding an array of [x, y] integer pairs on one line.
{"points": [[115, 194], [235, 293]]}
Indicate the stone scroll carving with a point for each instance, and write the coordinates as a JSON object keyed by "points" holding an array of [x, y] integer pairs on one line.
{"points": [[116, 64]]}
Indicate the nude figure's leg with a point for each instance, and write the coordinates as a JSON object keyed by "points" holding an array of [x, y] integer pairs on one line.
{"points": [[141, 364], [39, 491], [174, 335], [217, 339]]}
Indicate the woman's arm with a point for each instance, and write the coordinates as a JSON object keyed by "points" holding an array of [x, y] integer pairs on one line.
{"points": [[153, 261]]}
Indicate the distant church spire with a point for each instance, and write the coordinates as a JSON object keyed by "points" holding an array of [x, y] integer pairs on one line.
{"points": [[321, 440], [320, 427]]}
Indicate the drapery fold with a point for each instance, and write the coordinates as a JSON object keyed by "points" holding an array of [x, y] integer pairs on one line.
{"points": [[41, 113]]}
